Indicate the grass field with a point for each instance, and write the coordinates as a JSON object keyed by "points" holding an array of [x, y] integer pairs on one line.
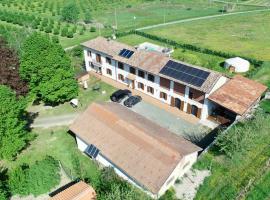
{"points": [[247, 34], [251, 2]]}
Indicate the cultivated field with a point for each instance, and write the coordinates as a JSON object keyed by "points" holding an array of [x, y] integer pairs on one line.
{"points": [[98, 17], [246, 34]]}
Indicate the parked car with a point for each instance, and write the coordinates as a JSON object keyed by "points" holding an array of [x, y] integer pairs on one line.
{"points": [[119, 95], [132, 100]]}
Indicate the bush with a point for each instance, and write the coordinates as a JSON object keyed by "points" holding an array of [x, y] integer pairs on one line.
{"points": [[36, 179], [70, 34], [93, 29], [55, 39], [56, 31], [64, 32], [77, 51], [169, 195]]}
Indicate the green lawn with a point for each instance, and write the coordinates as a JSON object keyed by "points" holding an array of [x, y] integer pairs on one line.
{"points": [[245, 34], [61, 145], [157, 12], [86, 97]]}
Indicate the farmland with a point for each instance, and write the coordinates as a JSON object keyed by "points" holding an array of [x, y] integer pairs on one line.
{"points": [[246, 35], [98, 17]]}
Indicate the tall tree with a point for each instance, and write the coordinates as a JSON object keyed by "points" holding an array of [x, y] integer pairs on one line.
{"points": [[47, 68], [70, 12], [13, 135], [9, 70]]}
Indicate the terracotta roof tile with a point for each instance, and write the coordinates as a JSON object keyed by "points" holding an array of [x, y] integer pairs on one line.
{"points": [[145, 151], [149, 61], [238, 94], [78, 191]]}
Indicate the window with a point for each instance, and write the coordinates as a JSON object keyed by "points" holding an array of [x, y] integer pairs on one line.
{"points": [[151, 78], [98, 58], [132, 70], [109, 71], [165, 83], [163, 95], [108, 60], [150, 90], [141, 74], [121, 77], [89, 53], [140, 86], [190, 95], [120, 65]]}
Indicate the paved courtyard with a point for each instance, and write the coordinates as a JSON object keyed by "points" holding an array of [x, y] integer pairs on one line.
{"points": [[192, 131]]}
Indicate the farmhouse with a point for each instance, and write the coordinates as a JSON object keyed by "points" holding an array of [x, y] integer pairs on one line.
{"points": [[140, 151], [178, 84]]}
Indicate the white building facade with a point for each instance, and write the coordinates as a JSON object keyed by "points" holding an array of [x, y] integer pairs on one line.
{"points": [[169, 91]]}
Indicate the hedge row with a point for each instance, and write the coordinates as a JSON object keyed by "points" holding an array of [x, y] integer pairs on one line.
{"points": [[255, 62]]}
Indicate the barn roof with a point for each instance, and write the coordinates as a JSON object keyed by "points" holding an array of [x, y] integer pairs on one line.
{"points": [[238, 94], [143, 150]]}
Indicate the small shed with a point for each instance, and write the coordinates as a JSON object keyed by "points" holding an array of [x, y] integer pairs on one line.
{"points": [[83, 76], [237, 64]]}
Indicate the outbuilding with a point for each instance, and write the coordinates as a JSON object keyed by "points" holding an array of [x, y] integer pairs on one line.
{"points": [[237, 64], [140, 151]]}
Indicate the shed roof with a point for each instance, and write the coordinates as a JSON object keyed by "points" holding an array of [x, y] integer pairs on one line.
{"points": [[238, 94], [237, 61], [78, 191], [143, 150], [149, 61]]}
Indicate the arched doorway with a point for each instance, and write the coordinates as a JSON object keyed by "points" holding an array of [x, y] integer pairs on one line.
{"points": [[178, 103], [194, 110]]}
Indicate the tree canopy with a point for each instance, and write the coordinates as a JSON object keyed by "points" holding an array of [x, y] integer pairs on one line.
{"points": [[9, 70], [13, 135], [47, 68], [70, 12], [38, 178]]}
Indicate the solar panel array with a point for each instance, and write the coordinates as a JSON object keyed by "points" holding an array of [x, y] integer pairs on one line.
{"points": [[126, 53], [92, 151], [187, 74]]}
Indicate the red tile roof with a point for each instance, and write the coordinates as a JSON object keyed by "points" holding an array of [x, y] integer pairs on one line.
{"points": [[145, 151], [238, 94], [78, 191]]}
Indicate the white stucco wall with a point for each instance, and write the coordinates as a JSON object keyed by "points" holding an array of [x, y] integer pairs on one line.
{"points": [[183, 166], [206, 106]]}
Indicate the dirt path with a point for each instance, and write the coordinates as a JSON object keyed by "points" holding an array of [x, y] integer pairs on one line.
{"points": [[201, 18], [47, 122]]}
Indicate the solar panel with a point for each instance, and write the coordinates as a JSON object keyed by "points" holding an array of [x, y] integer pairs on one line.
{"points": [[187, 74], [92, 151], [126, 53]]}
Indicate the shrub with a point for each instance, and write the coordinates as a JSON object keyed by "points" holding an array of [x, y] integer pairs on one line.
{"points": [[93, 29], [36, 179], [70, 34], [64, 32], [169, 195], [55, 39], [56, 31], [77, 51]]}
